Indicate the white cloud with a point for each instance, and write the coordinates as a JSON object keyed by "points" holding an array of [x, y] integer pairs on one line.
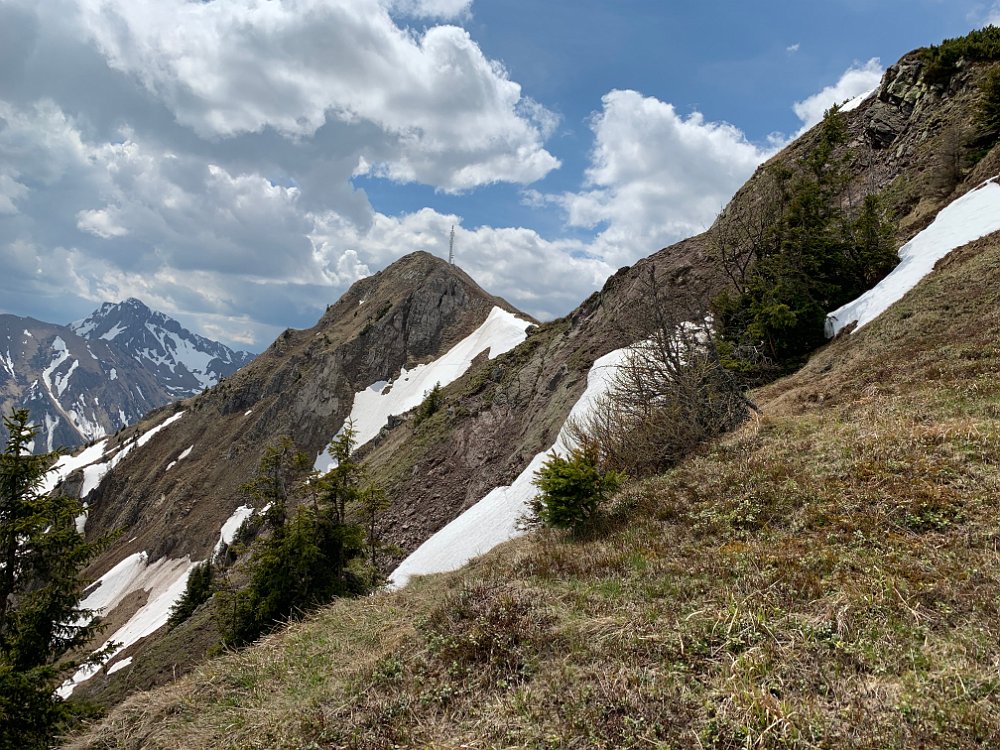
{"points": [[793, 48], [443, 9], [540, 276], [100, 223], [437, 110], [655, 176], [209, 173], [991, 17], [856, 80], [11, 191]]}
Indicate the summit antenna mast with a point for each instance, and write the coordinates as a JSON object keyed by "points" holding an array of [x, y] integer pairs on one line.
{"points": [[451, 246]]}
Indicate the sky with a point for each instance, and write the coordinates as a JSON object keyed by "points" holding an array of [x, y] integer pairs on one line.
{"points": [[238, 164]]}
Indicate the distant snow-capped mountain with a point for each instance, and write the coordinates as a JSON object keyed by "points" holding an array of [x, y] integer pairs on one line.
{"points": [[87, 380], [183, 362]]}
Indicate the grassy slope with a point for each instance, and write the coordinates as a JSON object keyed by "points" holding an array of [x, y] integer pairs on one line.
{"points": [[826, 577]]}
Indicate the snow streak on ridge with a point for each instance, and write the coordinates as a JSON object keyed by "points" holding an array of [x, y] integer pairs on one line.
{"points": [[974, 215], [499, 333], [494, 519]]}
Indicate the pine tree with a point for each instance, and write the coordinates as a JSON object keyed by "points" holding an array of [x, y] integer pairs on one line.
{"points": [[306, 560], [41, 559]]}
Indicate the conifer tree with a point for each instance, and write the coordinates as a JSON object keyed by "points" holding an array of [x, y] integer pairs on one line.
{"points": [[306, 559], [41, 558]]}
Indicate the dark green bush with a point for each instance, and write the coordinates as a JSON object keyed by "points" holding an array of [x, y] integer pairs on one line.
{"points": [[573, 488], [941, 61], [431, 404], [811, 255], [988, 112], [199, 589]]}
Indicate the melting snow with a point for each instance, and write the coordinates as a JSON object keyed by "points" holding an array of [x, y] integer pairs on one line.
{"points": [[373, 406], [231, 526], [184, 454], [66, 465], [857, 101], [165, 580], [8, 364], [90, 460], [494, 519], [113, 333], [119, 665], [974, 215]]}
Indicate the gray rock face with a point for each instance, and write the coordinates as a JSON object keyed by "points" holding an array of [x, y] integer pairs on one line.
{"points": [[76, 390], [183, 362], [902, 91]]}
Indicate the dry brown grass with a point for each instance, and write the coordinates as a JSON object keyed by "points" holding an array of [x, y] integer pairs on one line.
{"points": [[826, 577]]}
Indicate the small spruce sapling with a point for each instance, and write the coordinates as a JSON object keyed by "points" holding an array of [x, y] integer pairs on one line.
{"points": [[573, 488]]}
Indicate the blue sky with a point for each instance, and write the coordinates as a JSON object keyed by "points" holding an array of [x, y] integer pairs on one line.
{"points": [[239, 164]]}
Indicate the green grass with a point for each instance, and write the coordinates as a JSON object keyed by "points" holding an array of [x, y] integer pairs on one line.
{"points": [[826, 577]]}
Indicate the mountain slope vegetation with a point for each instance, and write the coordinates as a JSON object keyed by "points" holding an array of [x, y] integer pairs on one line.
{"points": [[797, 584], [823, 577]]}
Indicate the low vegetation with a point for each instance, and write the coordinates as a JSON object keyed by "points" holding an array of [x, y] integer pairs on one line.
{"points": [[941, 61], [572, 488], [308, 555], [823, 577]]}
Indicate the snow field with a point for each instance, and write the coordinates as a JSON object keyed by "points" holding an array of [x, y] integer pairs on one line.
{"points": [[499, 333], [164, 580], [494, 519], [974, 215]]}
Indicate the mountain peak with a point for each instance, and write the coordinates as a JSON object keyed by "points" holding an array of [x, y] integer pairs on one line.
{"points": [[185, 362]]}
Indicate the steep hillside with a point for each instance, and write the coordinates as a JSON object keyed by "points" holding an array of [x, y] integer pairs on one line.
{"points": [[500, 414], [172, 484], [825, 577], [501, 417]]}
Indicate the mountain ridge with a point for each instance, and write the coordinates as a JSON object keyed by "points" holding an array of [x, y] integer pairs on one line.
{"points": [[89, 379], [500, 413]]}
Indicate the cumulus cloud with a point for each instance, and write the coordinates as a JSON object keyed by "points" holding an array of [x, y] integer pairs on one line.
{"points": [[856, 81], [655, 176], [448, 116], [540, 276], [207, 165], [442, 9]]}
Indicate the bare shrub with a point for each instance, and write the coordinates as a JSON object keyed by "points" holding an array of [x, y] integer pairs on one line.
{"points": [[672, 393]]}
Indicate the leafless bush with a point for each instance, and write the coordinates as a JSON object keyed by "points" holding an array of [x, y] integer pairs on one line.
{"points": [[671, 394]]}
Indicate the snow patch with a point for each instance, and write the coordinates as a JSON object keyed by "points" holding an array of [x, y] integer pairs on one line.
{"points": [[857, 101], [94, 469], [494, 519], [974, 215], [499, 333], [112, 334], [184, 454], [165, 580], [120, 665], [231, 526], [8, 364]]}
